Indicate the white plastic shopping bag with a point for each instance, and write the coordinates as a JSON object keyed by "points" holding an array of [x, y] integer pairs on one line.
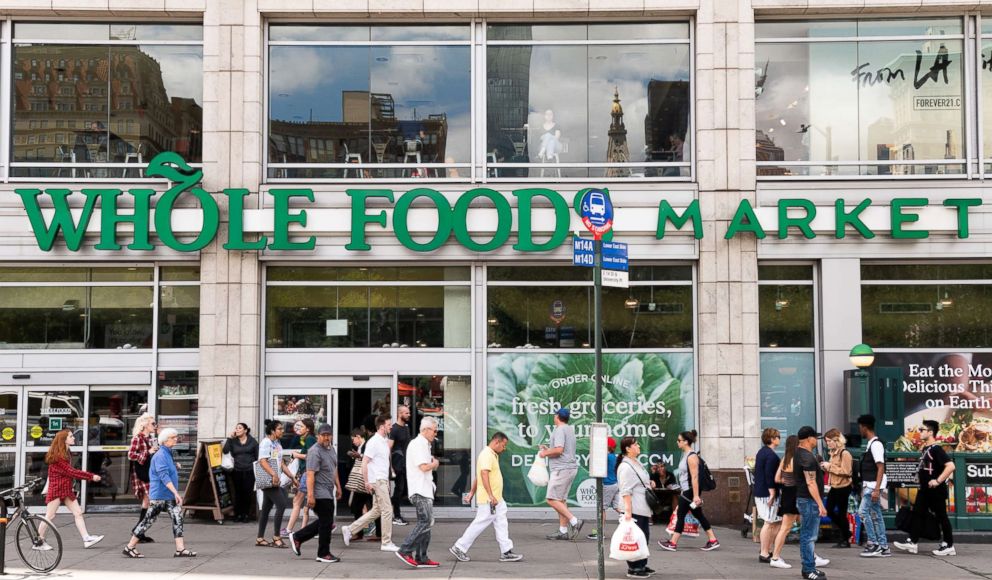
{"points": [[628, 542], [538, 474]]}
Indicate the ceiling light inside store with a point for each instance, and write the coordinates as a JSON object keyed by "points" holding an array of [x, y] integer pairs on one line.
{"points": [[781, 303], [631, 303], [781, 122]]}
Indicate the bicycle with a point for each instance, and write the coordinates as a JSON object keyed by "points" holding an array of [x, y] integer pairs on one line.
{"points": [[41, 554]]}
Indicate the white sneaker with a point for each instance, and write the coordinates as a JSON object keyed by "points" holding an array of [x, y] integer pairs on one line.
{"points": [[91, 541], [907, 546], [945, 550], [779, 563], [390, 547], [44, 547], [821, 562], [346, 535]]}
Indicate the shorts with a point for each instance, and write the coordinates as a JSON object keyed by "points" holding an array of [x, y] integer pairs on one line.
{"points": [[611, 497], [788, 505], [767, 510], [561, 483]]}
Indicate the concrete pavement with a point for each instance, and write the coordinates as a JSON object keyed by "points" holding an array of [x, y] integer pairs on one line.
{"points": [[229, 550]]}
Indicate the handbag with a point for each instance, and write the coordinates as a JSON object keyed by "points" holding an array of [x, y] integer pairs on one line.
{"points": [[227, 462], [649, 495], [356, 481], [263, 480]]}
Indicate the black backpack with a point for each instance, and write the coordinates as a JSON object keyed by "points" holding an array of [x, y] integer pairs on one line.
{"points": [[706, 481]]}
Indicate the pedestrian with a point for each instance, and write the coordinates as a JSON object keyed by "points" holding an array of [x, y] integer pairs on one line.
{"points": [[144, 444], [304, 440], [611, 491], [564, 467], [633, 485], [244, 450], [274, 495], [360, 502], [809, 500], [490, 506], [61, 474], [785, 477], [375, 469], [164, 493], [322, 488], [399, 440], [872, 470], [766, 493], [420, 468], [690, 499], [839, 468], [934, 470]]}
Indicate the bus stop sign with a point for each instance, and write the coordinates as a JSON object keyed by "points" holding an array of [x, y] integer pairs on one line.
{"points": [[596, 211]]}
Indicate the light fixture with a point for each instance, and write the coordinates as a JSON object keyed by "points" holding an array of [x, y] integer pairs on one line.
{"points": [[862, 356], [944, 302], [492, 322], [631, 303], [70, 305], [781, 303]]}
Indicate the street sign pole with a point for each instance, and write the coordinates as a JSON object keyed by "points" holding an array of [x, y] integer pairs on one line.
{"points": [[597, 273]]}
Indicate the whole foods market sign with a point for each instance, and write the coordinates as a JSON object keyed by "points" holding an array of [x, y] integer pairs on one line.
{"points": [[423, 219]]}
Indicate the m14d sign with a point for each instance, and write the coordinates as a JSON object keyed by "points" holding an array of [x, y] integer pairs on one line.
{"points": [[52, 217]]}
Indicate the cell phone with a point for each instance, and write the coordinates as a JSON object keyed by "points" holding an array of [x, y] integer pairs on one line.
{"points": [[492, 508]]}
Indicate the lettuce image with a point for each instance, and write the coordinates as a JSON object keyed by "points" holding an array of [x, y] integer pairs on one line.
{"points": [[645, 395]]}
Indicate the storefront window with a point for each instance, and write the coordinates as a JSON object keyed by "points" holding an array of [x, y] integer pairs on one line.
{"points": [[655, 312], [579, 101], [355, 314], [900, 82], [985, 76], [922, 306], [178, 403], [345, 95], [786, 330], [103, 110], [448, 399], [109, 426]]}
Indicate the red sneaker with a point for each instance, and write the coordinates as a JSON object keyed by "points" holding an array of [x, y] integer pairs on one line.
{"points": [[407, 559], [428, 564]]}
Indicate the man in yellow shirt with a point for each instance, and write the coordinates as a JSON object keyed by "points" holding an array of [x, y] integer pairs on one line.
{"points": [[491, 507]]}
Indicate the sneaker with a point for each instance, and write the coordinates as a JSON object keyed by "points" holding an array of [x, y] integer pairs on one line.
{"points": [[821, 562], [711, 545], [650, 571], [668, 545], [944, 550], [637, 574], [407, 559], [328, 559], [346, 535], [870, 551], [814, 575], [510, 556], [884, 553], [764, 559], [428, 564], [573, 531], [459, 555], [41, 546], [593, 535], [92, 541], [293, 544], [390, 547], [284, 533], [779, 563], [558, 536], [400, 522], [907, 546]]}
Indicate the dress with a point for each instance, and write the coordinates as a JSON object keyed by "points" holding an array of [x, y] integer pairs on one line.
{"points": [[60, 478]]}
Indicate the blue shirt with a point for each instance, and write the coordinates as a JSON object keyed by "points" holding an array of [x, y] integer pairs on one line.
{"points": [[163, 470], [611, 470], [765, 465]]}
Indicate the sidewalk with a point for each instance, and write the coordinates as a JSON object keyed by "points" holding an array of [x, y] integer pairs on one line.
{"points": [[229, 550]]}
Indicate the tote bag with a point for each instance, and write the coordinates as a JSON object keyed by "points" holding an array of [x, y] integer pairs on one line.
{"points": [[262, 479], [356, 482]]}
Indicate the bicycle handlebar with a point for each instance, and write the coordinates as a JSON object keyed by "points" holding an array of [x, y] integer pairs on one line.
{"points": [[27, 486]]}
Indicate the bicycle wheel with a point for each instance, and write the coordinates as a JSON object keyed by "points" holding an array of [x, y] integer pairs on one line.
{"points": [[30, 545]]}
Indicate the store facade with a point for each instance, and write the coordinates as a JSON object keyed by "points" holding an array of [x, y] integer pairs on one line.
{"points": [[368, 209]]}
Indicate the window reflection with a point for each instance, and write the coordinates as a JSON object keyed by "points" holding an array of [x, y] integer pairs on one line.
{"points": [[788, 391], [927, 316]]}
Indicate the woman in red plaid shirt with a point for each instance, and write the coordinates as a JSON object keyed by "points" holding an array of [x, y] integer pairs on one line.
{"points": [[61, 474], [143, 445]]}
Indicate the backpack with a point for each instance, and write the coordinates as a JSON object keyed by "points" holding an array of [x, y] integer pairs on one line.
{"points": [[857, 481], [706, 481]]}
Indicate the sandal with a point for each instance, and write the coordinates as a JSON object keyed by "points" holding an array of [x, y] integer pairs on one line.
{"points": [[184, 553], [262, 543], [132, 553], [278, 543]]}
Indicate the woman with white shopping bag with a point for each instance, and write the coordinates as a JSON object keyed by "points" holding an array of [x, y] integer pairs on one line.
{"points": [[633, 481]]}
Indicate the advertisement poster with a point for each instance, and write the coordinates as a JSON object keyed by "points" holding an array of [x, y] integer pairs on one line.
{"points": [[954, 389], [645, 395]]}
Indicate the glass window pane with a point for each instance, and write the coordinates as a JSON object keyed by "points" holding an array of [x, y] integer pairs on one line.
{"points": [[639, 31], [448, 399], [927, 316], [43, 274], [120, 317], [112, 416], [145, 32], [986, 88], [61, 31], [926, 272], [788, 391], [179, 318], [786, 316], [298, 317], [8, 422], [543, 274], [421, 33], [64, 406], [42, 317], [279, 32], [660, 273], [805, 29], [178, 405], [647, 317], [772, 272], [130, 274], [180, 273], [539, 317], [8, 464], [910, 27], [114, 487], [290, 408], [540, 32], [384, 274]]}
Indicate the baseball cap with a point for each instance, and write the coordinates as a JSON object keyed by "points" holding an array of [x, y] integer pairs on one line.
{"points": [[806, 432], [325, 429], [563, 414], [611, 443]]}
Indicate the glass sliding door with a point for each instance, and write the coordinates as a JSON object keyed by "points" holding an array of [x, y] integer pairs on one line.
{"points": [[110, 422]]}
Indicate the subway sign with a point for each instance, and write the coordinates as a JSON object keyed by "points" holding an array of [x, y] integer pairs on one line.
{"points": [[423, 219]]}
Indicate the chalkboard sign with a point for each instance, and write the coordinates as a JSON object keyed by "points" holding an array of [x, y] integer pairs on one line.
{"points": [[901, 473], [208, 489], [223, 487]]}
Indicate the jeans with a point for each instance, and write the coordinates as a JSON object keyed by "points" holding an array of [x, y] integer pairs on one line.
{"points": [[643, 522], [809, 530], [416, 543], [320, 528], [871, 517], [155, 507]]}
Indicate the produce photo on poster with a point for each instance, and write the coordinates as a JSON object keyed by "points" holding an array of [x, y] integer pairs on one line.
{"points": [[645, 395], [954, 389]]}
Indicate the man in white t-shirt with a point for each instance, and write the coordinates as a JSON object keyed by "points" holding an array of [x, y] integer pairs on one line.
{"points": [[874, 484], [420, 466], [375, 469]]}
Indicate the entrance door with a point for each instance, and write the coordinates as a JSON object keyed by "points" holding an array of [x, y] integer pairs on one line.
{"points": [[47, 411], [9, 400], [290, 406], [110, 418]]}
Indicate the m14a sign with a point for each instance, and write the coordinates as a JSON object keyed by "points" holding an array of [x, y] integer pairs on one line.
{"points": [[904, 218]]}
